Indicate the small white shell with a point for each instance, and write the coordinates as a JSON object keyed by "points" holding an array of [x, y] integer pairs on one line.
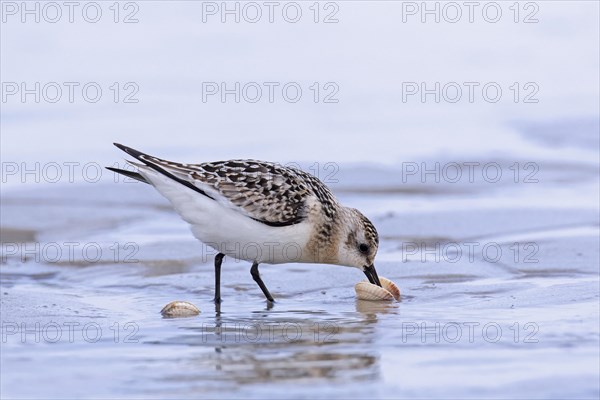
{"points": [[177, 309], [368, 291]]}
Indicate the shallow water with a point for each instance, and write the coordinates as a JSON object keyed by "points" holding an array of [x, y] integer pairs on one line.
{"points": [[469, 324]]}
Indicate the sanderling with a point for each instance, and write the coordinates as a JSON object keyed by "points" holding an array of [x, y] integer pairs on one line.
{"points": [[261, 212]]}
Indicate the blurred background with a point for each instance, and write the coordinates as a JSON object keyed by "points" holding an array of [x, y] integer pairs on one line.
{"points": [[455, 126], [367, 51]]}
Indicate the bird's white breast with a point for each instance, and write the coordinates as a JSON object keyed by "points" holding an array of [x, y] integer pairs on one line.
{"points": [[229, 231]]}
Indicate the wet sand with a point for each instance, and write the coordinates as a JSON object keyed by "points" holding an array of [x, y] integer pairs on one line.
{"points": [[522, 323]]}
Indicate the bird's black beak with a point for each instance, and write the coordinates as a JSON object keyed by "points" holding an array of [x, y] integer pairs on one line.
{"points": [[372, 275]]}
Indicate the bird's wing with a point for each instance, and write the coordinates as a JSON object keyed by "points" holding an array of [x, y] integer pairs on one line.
{"points": [[267, 192]]}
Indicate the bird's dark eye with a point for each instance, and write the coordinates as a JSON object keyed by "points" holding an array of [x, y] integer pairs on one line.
{"points": [[363, 248]]}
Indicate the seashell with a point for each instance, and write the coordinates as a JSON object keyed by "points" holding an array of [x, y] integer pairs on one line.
{"points": [[368, 291], [176, 309], [390, 287]]}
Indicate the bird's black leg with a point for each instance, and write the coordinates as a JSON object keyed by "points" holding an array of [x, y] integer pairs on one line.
{"points": [[218, 261], [261, 284]]}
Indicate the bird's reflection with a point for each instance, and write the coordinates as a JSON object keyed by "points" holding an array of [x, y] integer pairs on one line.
{"points": [[275, 346]]}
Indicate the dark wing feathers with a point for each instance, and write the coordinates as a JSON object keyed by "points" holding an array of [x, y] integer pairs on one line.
{"points": [[267, 192]]}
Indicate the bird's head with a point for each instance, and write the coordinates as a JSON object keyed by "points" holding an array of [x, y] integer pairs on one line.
{"points": [[358, 244]]}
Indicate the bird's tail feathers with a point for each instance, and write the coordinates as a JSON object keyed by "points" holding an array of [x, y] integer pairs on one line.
{"points": [[156, 165], [130, 174]]}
